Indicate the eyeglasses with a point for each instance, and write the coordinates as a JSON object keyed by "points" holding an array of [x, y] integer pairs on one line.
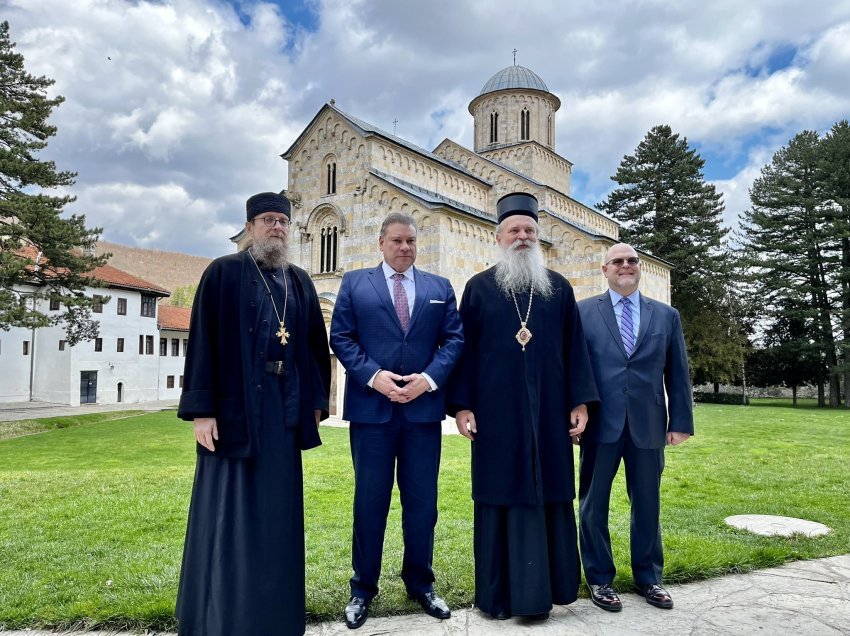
{"points": [[269, 221], [618, 262]]}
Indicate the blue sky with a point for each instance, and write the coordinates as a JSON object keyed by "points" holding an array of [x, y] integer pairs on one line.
{"points": [[177, 110]]}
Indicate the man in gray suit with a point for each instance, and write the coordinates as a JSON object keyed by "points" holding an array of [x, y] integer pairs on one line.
{"points": [[637, 351]]}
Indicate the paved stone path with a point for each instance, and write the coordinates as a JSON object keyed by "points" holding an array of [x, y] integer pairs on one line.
{"points": [[800, 599]]}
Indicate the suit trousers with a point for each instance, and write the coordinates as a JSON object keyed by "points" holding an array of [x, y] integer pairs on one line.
{"points": [[412, 451], [599, 466]]}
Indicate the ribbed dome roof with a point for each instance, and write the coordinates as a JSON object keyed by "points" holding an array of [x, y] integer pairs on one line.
{"points": [[514, 77]]}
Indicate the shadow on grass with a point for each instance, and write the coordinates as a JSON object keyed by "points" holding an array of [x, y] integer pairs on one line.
{"points": [[803, 404]]}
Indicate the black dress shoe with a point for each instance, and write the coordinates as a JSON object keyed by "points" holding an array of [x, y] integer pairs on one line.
{"points": [[433, 605], [605, 597], [356, 612], [655, 595], [501, 615]]}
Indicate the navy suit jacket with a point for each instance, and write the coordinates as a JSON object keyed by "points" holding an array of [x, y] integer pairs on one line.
{"points": [[366, 336], [633, 388]]}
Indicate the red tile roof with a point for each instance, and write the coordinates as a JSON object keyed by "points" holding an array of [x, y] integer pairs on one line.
{"points": [[173, 318], [114, 277]]}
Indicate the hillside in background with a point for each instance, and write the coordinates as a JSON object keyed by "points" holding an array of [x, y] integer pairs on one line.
{"points": [[167, 269]]}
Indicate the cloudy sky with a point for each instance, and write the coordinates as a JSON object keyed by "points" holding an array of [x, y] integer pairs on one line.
{"points": [[178, 109]]}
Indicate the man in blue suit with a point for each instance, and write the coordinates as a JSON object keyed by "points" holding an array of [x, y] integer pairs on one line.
{"points": [[637, 351], [397, 332]]}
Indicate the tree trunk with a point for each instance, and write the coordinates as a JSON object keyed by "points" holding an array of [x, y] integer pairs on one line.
{"points": [[794, 395], [716, 388], [821, 393]]}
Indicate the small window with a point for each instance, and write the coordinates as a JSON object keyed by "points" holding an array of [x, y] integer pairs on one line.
{"points": [[494, 127], [549, 130], [169, 382], [97, 307], [331, 180], [181, 381], [185, 346], [525, 125], [175, 346], [148, 306], [119, 347], [163, 346], [54, 304], [122, 306], [141, 344], [98, 344], [26, 347], [61, 345], [149, 345]]}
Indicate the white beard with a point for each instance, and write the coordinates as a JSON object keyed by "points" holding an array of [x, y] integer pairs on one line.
{"points": [[521, 269], [271, 252]]}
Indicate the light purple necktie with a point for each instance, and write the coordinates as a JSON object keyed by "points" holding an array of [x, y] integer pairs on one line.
{"points": [[627, 328], [402, 309]]}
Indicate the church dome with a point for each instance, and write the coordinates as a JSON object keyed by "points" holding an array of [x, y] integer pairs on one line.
{"points": [[514, 77]]}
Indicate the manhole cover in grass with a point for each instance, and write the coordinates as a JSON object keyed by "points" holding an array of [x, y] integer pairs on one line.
{"points": [[771, 525]]}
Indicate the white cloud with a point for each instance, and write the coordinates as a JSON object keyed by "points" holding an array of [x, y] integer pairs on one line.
{"points": [[191, 112]]}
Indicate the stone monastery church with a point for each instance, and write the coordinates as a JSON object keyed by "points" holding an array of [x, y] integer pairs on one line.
{"points": [[346, 175]]}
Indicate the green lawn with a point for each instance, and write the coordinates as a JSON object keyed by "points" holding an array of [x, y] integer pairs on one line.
{"points": [[92, 517]]}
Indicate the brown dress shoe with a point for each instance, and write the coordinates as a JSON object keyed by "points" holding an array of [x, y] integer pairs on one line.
{"points": [[655, 595], [605, 597]]}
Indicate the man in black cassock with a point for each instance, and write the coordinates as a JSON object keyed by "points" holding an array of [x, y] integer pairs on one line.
{"points": [[256, 386], [520, 392]]}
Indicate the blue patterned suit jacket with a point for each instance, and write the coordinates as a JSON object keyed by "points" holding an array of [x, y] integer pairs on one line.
{"points": [[366, 336]]}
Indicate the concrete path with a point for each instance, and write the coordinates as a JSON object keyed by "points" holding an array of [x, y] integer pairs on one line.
{"points": [[801, 599]]}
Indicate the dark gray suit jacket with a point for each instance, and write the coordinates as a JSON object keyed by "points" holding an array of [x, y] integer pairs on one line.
{"points": [[633, 388]]}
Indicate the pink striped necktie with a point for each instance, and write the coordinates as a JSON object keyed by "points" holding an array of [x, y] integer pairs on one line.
{"points": [[402, 309]]}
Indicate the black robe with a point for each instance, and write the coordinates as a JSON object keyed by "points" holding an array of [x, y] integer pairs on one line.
{"points": [[243, 560], [522, 453], [525, 544]]}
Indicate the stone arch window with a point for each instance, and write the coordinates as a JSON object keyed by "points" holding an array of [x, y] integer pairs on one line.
{"points": [[549, 130], [329, 248], [525, 125], [324, 231], [330, 175], [494, 127]]}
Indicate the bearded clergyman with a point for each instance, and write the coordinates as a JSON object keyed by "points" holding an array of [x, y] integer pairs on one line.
{"points": [[256, 385], [520, 392]]}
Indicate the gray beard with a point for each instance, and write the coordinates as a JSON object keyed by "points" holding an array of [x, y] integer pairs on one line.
{"points": [[520, 269], [271, 253]]}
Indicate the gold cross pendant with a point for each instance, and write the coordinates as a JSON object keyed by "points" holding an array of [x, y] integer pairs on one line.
{"points": [[283, 334]]}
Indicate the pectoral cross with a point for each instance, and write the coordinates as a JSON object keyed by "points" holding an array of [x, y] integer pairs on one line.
{"points": [[283, 334]]}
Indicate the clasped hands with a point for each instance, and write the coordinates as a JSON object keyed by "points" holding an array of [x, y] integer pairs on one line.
{"points": [[386, 383]]}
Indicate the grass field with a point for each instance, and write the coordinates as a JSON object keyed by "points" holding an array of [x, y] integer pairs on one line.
{"points": [[92, 516]]}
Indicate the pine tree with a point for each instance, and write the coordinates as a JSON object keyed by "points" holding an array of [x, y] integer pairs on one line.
{"points": [[668, 210], [834, 176], [788, 249], [42, 254]]}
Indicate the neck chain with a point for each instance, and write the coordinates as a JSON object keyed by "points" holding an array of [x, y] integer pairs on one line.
{"points": [[282, 333], [523, 336]]}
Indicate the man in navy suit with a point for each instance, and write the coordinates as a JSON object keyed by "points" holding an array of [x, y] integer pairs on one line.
{"points": [[637, 351], [397, 332]]}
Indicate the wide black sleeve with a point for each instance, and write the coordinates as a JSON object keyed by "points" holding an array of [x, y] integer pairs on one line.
{"points": [[461, 389], [320, 357], [581, 386], [198, 397]]}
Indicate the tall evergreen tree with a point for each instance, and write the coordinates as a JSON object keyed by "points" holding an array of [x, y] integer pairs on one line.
{"points": [[835, 180], [42, 254], [668, 209], [787, 247]]}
